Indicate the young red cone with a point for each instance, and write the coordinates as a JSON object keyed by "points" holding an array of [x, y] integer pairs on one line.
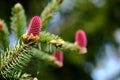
{"points": [[1, 25], [81, 40], [35, 26], [59, 57]]}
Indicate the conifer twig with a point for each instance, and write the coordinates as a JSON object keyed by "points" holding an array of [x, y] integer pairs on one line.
{"points": [[49, 10], [18, 20]]}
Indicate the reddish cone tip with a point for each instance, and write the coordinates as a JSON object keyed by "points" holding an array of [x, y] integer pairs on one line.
{"points": [[1, 25], [35, 26], [58, 55], [80, 38]]}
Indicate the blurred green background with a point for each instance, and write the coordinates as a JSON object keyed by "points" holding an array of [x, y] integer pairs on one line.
{"points": [[101, 21]]}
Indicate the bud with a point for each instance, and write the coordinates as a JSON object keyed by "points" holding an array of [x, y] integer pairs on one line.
{"points": [[53, 41], [59, 57], [35, 78], [18, 5], [80, 38], [33, 30], [35, 26], [60, 42], [1, 25]]}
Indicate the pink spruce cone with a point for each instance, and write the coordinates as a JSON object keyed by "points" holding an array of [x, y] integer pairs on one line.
{"points": [[81, 40], [35, 26], [59, 57], [1, 25]]}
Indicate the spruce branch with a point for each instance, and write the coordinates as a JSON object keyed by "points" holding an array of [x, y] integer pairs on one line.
{"points": [[69, 47], [59, 43], [4, 35], [14, 60], [51, 39], [47, 58], [41, 49], [18, 20], [48, 11], [44, 46]]}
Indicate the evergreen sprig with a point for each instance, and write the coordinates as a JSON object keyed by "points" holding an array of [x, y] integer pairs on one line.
{"points": [[42, 56], [18, 20], [58, 42], [13, 60], [47, 13]]}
